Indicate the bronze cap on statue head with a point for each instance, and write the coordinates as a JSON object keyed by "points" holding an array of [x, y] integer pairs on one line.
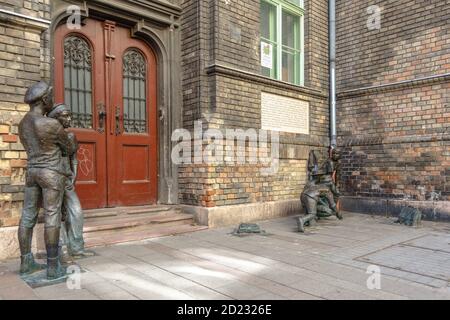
{"points": [[36, 92], [58, 108]]}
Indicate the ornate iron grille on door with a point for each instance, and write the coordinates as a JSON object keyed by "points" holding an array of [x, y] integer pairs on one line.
{"points": [[78, 80], [134, 92]]}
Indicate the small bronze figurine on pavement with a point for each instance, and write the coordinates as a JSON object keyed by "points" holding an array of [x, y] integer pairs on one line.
{"points": [[44, 140], [72, 227]]}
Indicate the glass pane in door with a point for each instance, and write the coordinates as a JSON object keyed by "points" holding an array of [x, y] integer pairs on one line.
{"points": [[78, 80], [134, 92]]}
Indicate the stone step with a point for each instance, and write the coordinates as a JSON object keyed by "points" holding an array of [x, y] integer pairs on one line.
{"points": [[136, 223], [127, 222], [151, 232], [93, 215], [109, 226], [136, 229], [152, 209], [111, 212]]}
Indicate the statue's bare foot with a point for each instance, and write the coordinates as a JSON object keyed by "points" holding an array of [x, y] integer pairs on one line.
{"points": [[66, 258], [301, 225], [339, 215], [83, 254]]}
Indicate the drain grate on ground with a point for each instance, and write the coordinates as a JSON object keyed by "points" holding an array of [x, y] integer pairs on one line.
{"points": [[422, 261]]}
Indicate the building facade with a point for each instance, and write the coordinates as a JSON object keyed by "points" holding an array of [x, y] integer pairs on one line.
{"points": [[156, 87], [226, 87], [393, 70]]}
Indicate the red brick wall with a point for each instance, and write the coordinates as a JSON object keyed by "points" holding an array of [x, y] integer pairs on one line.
{"points": [[413, 42], [395, 137], [24, 59], [226, 33]]}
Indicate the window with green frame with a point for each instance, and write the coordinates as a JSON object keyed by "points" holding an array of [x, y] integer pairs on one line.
{"points": [[282, 40]]}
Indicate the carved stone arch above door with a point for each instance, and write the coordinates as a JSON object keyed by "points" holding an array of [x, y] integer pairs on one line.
{"points": [[157, 23]]}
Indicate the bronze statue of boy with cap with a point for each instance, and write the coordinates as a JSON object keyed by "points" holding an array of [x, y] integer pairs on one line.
{"points": [[45, 142]]}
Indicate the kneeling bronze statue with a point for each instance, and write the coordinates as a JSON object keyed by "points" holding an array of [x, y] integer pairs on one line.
{"points": [[320, 195]]}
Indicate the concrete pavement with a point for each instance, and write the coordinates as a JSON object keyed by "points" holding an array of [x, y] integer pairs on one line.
{"points": [[329, 261]]}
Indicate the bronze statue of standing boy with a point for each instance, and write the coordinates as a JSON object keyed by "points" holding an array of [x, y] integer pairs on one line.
{"points": [[45, 142]]}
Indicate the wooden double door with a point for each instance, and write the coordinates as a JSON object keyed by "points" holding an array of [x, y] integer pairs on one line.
{"points": [[108, 78]]}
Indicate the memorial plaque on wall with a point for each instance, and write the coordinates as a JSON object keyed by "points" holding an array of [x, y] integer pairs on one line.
{"points": [[284, 114]]}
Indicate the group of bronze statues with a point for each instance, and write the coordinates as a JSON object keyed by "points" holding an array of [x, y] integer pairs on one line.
{"points": [[52, 171], [50, 183], [321, 194]]}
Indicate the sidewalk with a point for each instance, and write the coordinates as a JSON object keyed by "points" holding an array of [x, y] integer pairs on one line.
{"points": [[329, 261]]}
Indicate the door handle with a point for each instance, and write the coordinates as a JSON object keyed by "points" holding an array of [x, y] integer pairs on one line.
{"points": [[101, 117], [118, 120]]}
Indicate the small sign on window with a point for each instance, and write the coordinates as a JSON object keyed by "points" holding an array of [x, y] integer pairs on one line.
{"points": [[267, 55]]}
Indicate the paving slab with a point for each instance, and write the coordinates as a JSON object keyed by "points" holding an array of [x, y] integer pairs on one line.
{"points": [[329, 261], [419, 262], [242, 291], [18, 292]]}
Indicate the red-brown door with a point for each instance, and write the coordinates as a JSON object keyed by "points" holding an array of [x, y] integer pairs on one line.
{"points": [[108, 79], [133, 146]]}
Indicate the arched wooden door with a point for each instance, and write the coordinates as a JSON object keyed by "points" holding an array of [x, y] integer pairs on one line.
{"points": [[109, 79]]}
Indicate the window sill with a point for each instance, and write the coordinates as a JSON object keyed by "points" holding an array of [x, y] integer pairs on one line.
{"points": [[258, 78]]}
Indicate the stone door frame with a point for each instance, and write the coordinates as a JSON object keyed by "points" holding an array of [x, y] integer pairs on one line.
{"points": [[158, 24]]}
